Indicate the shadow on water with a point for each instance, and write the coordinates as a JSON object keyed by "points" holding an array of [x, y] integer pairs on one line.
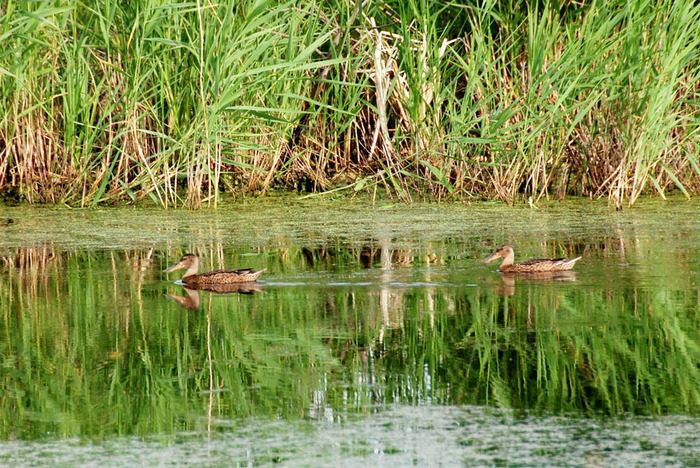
{"points": [[99, 343]]}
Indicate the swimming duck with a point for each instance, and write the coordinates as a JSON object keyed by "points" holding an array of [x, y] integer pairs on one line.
{"points": [[531, 266], [191, 262]]}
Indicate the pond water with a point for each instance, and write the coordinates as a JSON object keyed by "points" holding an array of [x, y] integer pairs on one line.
{"points": [[374, 337]]}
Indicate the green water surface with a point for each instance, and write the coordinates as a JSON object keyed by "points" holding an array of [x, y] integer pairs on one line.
{"points": [[374, 336]]}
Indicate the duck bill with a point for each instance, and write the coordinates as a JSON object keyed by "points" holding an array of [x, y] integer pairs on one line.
{"points": [[177, 266], [491, 258]]}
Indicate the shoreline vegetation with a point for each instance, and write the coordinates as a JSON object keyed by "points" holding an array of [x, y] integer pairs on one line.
{"points": [[184, 103]]}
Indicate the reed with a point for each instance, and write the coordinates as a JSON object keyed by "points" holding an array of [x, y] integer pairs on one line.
{"points": [[185, 103]]}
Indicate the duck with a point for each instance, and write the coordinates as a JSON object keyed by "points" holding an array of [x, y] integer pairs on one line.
{"points": [[537, 265], [193, 277]]}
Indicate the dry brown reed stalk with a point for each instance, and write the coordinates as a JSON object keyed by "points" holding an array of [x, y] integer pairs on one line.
{"points": [[388, 83], [325, 157], [137, 146], [268, 162], [195, 177], [41, 170]]}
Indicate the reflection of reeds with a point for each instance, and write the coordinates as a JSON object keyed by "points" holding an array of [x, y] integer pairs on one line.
{"points": [[32, 267], [501, 101], [30, 260], [97, 349]]}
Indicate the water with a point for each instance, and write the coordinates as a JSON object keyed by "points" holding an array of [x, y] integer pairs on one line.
{"points": [[403, 436], [374, 337]]}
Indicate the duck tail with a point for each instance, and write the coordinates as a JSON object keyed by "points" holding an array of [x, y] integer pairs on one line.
{"points": [[569, 264]]}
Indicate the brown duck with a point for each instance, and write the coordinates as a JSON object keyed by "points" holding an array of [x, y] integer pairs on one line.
{"points": [[192, 276], [536, 265]]}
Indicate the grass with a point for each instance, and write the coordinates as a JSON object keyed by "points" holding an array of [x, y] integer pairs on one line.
{"points": [[185, 103]]}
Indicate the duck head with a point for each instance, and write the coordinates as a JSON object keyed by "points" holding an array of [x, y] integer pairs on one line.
{"points": [[189, 261], [505, 252]]}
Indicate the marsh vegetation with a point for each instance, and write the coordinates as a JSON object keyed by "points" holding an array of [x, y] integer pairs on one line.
{"points": [[189, 102]]}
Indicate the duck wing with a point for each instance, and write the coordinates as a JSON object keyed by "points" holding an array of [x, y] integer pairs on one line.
{"points": [[546, 264], [224, 277]]}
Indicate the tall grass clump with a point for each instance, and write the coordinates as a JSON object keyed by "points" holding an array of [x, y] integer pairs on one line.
{"points": [[104, 101]]}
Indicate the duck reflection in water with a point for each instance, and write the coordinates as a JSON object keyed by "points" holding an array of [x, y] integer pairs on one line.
{"points": [[508, 286], [192, 300]]}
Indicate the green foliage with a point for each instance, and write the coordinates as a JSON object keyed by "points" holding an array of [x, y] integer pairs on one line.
{"points": [[179, 103]]}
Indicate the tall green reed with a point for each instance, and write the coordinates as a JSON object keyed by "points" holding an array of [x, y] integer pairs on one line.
{"points": [[181, 103]]}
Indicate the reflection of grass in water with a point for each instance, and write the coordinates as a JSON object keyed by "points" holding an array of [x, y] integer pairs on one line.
{"points": [[563, 361], [91, 347]]}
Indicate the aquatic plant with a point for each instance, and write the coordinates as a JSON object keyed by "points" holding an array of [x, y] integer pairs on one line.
{"points": [[182, 103]]}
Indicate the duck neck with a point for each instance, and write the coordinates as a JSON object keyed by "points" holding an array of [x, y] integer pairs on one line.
{"points": [[193, 269], [508, 260]]}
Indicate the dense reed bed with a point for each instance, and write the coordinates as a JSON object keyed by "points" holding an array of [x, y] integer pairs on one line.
{"points": [[186, 102]]}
